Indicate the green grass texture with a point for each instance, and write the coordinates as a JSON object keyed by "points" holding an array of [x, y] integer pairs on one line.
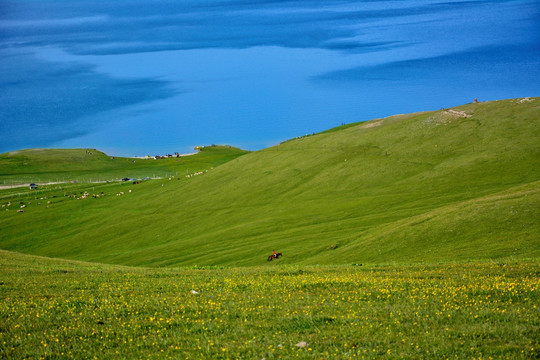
{"points": [[452, 185], [90, 165], [58, 309]]}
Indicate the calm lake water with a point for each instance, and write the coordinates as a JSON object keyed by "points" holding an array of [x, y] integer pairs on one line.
{"points": [[153, 77]]}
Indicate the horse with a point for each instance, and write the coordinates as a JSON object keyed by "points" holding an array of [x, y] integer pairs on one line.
{"points": [[272, 257]]}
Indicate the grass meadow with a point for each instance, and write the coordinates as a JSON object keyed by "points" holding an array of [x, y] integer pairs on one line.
{"points": [[409, 237], [431, 187], [90, 165], [56, 309]]}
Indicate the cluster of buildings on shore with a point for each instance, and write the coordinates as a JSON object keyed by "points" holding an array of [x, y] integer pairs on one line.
{"points": [[175, 155], [156, 157]]}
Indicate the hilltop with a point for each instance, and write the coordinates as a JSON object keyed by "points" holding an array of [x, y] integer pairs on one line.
{"points": [[451, 185], [91, 165]]}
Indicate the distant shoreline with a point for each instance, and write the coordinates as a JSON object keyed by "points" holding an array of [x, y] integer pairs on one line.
{"points": [[153, 157]]}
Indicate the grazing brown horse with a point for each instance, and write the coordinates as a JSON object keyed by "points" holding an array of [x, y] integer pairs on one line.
{"points": [[272, 257]]}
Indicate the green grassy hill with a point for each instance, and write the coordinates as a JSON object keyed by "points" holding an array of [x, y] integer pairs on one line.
{"points": [[451, 185], [84, 165]]}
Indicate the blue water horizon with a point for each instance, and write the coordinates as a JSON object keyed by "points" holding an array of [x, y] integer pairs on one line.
{"points": [[159, 76]]}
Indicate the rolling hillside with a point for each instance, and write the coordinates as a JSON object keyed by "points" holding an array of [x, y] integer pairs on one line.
{"points": [[452, 185], [88, 165]]}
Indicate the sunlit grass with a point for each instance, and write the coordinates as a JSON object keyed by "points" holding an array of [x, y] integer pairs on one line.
{"points": [[59, 309], [428, 187], [90, 165]]}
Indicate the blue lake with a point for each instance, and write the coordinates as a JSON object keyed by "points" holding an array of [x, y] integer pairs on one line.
{"points": [[153, 77]]}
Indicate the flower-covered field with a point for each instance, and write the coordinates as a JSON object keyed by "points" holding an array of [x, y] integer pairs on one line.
{"points": [[53, 309]]}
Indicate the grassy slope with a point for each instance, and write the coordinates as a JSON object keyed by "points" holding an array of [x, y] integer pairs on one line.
{"points": [[53, 165], [425, 187]]}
